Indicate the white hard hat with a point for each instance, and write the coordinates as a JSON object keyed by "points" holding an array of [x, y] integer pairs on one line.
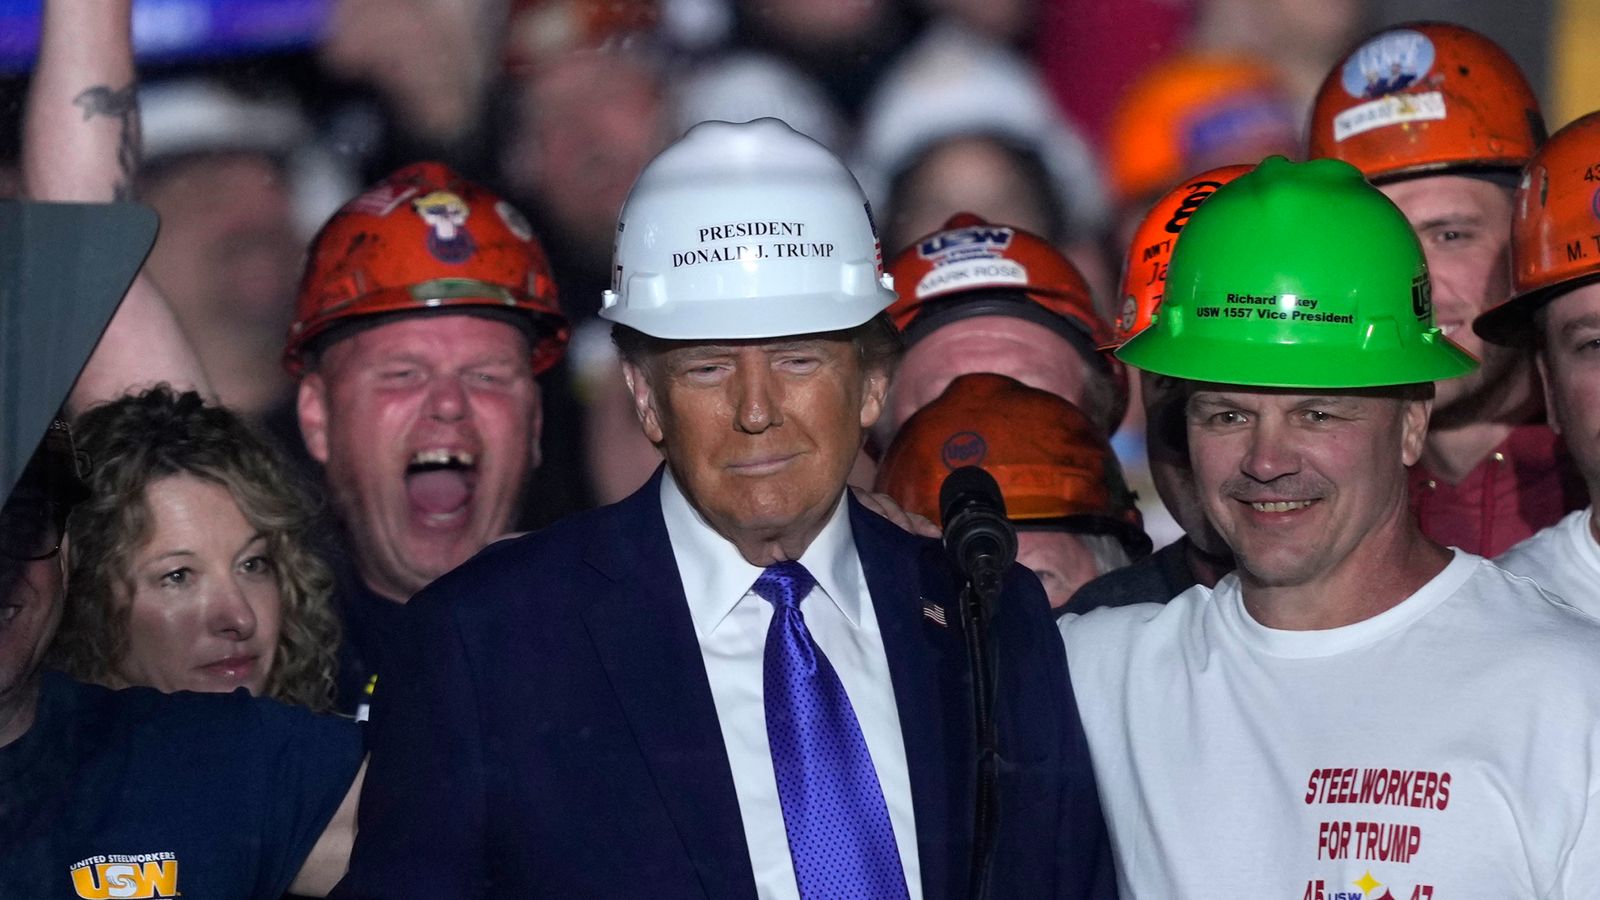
{"points": [[745, 231], [952, 83], [193, 115], [739, 87]]}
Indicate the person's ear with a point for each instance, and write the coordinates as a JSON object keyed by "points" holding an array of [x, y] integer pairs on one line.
{"points": [[536, 429], [874, 392], [1414, 416], [644, 400], [1545, 382], [312, 407]]}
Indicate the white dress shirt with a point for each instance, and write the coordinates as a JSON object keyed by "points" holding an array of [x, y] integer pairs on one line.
{"points": [[730, 621]]}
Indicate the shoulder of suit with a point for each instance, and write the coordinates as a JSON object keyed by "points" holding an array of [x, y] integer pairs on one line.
{"points": [[550, 555], [875, 529]]}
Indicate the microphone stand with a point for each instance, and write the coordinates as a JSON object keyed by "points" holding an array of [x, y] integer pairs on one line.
{"points": [[981, 544], [977, 599]]}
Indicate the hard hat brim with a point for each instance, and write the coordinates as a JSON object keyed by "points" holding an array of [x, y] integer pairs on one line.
{"points": [[1511, 323], [1296, 365], [755, 318]]}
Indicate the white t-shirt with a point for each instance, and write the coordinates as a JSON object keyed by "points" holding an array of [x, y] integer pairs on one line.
{"points": [[1564, 559], [1448, 748]]}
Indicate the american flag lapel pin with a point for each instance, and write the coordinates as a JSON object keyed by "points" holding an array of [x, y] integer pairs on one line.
{"points": [[934, 613]]}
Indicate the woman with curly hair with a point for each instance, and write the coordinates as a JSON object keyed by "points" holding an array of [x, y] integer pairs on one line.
{"points": [[191, 566]]}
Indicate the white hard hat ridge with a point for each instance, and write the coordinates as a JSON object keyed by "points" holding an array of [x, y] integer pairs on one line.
{"points": [[748, 230]]}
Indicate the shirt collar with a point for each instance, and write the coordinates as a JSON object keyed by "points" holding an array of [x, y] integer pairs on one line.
{"points": [[715, 577]]}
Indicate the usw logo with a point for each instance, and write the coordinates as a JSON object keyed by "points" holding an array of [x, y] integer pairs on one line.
{"points": [[143, 876]]}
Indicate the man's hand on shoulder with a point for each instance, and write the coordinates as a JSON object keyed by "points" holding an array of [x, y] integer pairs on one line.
{"points": [[884, 505]]}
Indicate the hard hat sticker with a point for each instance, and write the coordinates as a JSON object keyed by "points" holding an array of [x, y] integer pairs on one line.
{"points": [[1128, 316], [1198, 192], [381, 200], [446, 215], [967, 258], [1390, 62], [1212, 131], [959, 243], [977, 272], [1272, 307], [1422, 298], [964, 448], [777, 249], [515, 221], [1395, 109], [877, 245]]}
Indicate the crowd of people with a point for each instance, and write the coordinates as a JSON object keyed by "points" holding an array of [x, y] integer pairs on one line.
{"points": [[521, 475]]}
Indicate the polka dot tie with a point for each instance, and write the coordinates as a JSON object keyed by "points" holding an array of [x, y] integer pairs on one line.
{"points": [[839, 833]]}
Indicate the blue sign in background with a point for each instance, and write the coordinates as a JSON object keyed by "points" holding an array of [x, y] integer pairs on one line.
{"points": [[174, 30]]}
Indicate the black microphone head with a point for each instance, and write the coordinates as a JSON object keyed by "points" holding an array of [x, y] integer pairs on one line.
{"points": [[979, 539], [965, 485]]}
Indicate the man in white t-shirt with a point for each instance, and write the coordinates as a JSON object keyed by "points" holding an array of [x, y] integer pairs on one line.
{"points": [[1555, 307], [1356, 712]]}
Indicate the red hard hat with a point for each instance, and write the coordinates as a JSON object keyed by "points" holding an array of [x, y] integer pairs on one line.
{"points": [[1425, 97], [971, 267], [422, 240], [1556, 211], [1144, 271], [1053, 465], [969, 254]]}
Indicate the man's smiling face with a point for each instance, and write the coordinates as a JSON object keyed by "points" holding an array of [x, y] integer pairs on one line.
{"points": [[1465, 228], [760, 435], [1298, 483]]}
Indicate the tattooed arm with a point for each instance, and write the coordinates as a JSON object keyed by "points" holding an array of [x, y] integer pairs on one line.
{"points": [[81, 137], [81, 144]]}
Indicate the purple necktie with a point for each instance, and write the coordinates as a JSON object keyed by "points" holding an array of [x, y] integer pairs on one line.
{"points": [[833, 810]]}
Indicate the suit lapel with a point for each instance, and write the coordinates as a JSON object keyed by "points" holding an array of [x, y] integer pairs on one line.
{"points": [[927, 663], [644, 636]]}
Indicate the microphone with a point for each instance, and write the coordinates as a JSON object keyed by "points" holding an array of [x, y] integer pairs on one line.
{"points": [[980, 540]]}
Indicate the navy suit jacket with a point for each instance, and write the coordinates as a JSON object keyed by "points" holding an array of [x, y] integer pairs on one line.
{"points": [[548, 729]]}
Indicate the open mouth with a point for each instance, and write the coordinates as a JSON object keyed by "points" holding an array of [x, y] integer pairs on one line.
{"points": [[440, 482], [1280, 505]]}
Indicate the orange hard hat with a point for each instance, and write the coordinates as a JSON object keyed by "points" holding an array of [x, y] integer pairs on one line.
{"points": [[1425, 97], [420, 241], [1193, 112], [1054, 467], [971, 267], [1144, 270], [1555, 216]]}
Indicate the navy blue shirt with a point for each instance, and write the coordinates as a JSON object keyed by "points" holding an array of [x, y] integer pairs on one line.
{"points": [[372, 625], [1157, 578], [136, 793]]}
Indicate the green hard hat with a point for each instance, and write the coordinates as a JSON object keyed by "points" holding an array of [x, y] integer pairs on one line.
{"points": [[1298, 275]]}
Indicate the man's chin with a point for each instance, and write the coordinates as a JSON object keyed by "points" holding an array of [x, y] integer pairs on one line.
{"points": [[430, 558], [414, 561], [1454, 401], [1278, 566]]}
